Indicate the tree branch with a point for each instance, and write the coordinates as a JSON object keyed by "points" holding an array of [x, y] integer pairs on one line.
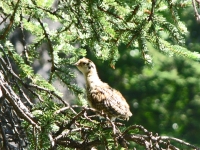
{"points": [[16, 102], [11, 22], [179, 141], [195, 11], [53, 68]]}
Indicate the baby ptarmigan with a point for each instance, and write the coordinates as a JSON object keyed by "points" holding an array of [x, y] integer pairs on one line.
{"points": [[100, 95]]}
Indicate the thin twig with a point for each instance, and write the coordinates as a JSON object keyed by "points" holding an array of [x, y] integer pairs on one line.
{"points": [[179, 141], [52, 141], [48, 91], [11, 22], [53, 68], [61, 110], [4, 19], [153, 3], [19, 107], [195, 8], [76, 117], [25, 52], [63, 134]]}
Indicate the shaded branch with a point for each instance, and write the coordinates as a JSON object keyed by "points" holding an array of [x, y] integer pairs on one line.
{"points": [[16, 102], [11, 22], [179, 141], [53, 68], [195, 10], [25, 51], [153, 3], [145, 138], [110, 13]]}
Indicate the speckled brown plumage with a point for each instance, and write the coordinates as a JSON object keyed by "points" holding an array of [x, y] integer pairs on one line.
{"points": [[100, 95]]}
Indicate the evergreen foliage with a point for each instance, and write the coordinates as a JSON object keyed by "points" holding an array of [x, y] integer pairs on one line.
{"points": [[107, 30]]}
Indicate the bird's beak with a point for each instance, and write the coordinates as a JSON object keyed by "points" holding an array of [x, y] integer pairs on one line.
{"points": [[76, 64]]}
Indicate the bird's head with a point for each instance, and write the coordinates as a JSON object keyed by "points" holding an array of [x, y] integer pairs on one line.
{"points": [[85, 65]]}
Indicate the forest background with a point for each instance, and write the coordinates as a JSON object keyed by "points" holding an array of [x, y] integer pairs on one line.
{"points": [[148, 50]]}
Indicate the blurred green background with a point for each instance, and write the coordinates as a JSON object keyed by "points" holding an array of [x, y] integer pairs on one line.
{"points": [[164, 97]]}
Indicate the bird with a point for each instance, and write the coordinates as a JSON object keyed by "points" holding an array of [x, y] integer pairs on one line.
{"points": [[100, 95]]}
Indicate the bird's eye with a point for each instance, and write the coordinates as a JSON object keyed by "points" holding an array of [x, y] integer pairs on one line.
{"points": [[84, 63]]}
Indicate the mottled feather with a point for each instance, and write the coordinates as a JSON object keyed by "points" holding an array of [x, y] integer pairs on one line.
{"points": [[100, 95]]}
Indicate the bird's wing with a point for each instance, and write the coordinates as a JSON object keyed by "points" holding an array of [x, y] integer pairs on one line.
{"points": [[110, 101]]}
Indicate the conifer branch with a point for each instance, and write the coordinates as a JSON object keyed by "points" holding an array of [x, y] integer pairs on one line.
{"points": [[4, 18], [11, 21], [53, 68], [179, 141], [25, 51], [48, 91], [195, 11], [101, 27], [16, 102], [144, 137], [5, 140], [110, 13], [153, 3]]}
